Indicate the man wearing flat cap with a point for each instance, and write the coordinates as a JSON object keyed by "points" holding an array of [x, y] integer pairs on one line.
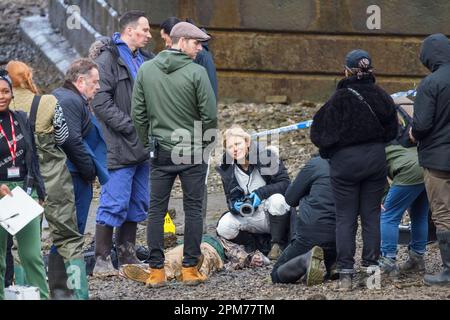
{"points": [[172, 95]]}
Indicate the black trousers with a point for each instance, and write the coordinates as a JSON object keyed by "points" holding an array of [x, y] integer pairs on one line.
{"points": [[305, 240], [9, 274], [163, 174], [358, 179]]}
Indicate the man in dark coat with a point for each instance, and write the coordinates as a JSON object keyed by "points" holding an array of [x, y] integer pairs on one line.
{"points": [[431, 128], [124, 200]]}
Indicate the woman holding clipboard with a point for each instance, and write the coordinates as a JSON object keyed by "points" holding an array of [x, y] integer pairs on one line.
{"points": [[19, 167]]}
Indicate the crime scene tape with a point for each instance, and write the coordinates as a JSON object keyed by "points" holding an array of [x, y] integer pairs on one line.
{"points": [[307, 124]]}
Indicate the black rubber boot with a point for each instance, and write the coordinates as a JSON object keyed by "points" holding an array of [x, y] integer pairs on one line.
{"points": [[443, 278], [103, 244], [57, 278], [279, 230], [307, 265], [126, 243]]}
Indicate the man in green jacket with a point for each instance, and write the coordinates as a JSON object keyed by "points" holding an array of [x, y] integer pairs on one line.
{"points": [[173, 104]]}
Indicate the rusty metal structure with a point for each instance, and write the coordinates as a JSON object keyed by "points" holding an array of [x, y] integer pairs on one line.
{"points": [[294, 48]]}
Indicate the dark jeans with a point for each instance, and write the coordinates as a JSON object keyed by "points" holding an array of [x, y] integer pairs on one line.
{"points": [[358, 178], [192, 177], [305, 240]]}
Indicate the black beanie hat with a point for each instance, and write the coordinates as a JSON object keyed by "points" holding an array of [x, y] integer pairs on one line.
{"points": [[358, 59]]}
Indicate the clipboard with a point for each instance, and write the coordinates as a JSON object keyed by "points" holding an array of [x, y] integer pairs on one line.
{"points": [[18, 211]]}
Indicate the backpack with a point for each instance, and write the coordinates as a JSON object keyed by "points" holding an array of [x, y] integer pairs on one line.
{"points": [[405, 112]]}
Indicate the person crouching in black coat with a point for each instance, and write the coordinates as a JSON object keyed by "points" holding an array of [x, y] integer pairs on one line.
{"points": [[315, 237], [256, 178], [351, 130]]}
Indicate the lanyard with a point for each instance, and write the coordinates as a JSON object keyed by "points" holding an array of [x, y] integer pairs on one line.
{"points": [[13, 147]]}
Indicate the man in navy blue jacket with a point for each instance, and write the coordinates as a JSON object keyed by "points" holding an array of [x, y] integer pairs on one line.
{"points": [[82, 83]]}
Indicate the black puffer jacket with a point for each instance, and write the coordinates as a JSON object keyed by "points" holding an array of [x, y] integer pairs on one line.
{"points": [[431, 125], [269, 165], [112, 107], [344, 120]]}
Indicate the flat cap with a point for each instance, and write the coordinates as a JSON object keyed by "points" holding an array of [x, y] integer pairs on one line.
{"points": [[188, 31]]}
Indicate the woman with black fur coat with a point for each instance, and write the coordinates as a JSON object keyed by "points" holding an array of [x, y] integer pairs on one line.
{"points": [[351, 130]]}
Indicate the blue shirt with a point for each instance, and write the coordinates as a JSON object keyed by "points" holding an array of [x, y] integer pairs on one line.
{"points": [[133, 60]]}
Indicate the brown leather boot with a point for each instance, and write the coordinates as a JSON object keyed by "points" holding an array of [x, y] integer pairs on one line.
{"points": [[136, 273], [191, 276], [157, 278]]}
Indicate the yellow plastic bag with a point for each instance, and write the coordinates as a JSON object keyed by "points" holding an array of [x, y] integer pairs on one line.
{"points": [[169, 226]]}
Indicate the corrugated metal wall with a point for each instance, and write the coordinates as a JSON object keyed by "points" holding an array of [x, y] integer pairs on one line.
{"points": [[286, 47]]}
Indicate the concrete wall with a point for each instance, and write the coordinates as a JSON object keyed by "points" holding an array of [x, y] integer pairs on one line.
{"points": [[285, 47]]}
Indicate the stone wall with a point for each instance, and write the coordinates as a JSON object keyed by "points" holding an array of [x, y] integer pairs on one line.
{"points": [[283, 47]]}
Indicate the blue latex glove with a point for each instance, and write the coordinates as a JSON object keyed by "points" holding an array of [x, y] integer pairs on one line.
{"points": [[237, 206], [256, 200]]}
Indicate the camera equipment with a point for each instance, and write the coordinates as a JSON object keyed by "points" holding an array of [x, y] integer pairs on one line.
{"points": [[238, 194], [247, 207]]}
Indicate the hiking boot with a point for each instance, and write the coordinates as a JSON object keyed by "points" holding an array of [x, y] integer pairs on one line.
{"points": [[415, 263], [191, 276], [156, 278], [136, 273], [388, 267], [275, 252], [314, 274], [303, 266], [345, 282]]}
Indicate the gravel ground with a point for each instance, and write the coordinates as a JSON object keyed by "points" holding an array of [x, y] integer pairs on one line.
{"points": [[295, 150], [255, 284]]}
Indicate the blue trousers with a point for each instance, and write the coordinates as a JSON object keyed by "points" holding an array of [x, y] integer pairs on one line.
{"points": [[83, 197], [398, 200], [125, 197]]}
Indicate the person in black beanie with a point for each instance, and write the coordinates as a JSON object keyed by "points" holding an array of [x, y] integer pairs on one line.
{"points": [[351, 130]]}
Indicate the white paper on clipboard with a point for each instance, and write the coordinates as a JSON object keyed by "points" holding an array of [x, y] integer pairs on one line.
{"points": [[17, 211]]}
